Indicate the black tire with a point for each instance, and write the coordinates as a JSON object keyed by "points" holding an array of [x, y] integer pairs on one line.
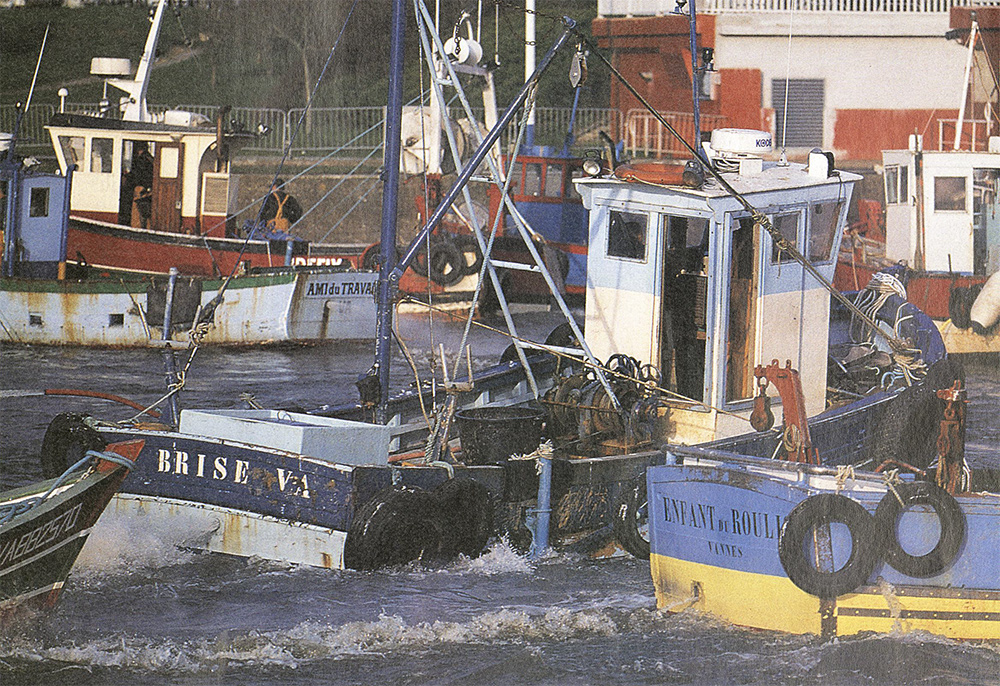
{"points": [[631, 518], [446, 263], [67, 439], [960, 301], [467, 515], [949, 514], [467, 244], [371, 258], [563, 337], [827, 508], [397, 526]]}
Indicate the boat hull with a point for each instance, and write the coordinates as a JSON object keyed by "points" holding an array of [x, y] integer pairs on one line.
{"points": [[38, 548], [715, 526], [286, 306]]}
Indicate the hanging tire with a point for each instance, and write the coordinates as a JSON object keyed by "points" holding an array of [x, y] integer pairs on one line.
{"points": [[818, 510], [446, 263], [371, 258], [949, 514], [466, 244], [630, 521], [397, 526], [467, 517], [67, 439]]}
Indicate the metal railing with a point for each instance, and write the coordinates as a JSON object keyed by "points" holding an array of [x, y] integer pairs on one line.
{"points": [[610, 8], [645, 136], [353, 130], [975, 134]]}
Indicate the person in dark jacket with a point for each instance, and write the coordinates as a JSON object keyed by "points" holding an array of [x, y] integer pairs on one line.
{"points": [[281, 209]]}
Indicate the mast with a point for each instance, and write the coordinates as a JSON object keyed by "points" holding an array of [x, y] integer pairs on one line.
{"points": [[390, 198], [695, 85], [135, 108], [529, 67]]}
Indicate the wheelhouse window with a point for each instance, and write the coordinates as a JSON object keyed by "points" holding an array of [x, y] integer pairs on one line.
{"points": [[571, 191], [949, 194], [553, 181], [896, 180], [788, 226], [823, 221], [101, 150], [38, 205], [72, 149], [532, 179], [627, 235]]}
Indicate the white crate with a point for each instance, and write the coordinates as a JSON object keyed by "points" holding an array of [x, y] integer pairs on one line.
{"points": [[334, 440]]}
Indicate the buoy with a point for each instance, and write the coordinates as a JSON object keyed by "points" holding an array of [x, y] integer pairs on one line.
{"points": [[985, 310]]}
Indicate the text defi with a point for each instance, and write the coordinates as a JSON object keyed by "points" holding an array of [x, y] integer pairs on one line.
{"points": [[179, 462]]}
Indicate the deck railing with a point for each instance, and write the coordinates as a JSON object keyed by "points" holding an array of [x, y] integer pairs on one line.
{"points": [[975, 135], [645, 136]]}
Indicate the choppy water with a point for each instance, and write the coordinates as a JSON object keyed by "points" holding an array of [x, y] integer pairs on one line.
{"points": [[143, 612]]}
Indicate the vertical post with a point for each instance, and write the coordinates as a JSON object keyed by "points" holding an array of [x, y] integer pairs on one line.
{"points": [[288, 251], [529, 66], [695, 86], [959, 125], [390, 197], [540, 539], [169, 363]]}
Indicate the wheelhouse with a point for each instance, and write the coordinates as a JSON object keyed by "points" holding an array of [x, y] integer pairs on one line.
{"points": [[685, 280]]}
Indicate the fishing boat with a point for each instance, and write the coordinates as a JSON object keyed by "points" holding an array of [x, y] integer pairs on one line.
{"points": [[690, 286], [137, 218], [938, 233], [44, 526], [45, 299]]}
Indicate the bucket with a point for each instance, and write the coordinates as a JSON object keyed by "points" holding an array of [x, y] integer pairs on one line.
{"points": [[490, 435]]}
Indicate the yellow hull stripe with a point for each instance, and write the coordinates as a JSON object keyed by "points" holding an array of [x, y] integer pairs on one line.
{"points": [[774, 603]]}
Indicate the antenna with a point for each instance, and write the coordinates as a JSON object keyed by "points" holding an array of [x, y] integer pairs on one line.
{"points": [[22, 111]]}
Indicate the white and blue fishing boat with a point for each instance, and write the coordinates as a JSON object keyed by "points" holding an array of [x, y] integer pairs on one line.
{"points": [[692, 285]]}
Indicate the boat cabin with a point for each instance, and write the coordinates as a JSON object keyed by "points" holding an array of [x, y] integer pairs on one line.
{"points": [[942, 209], [171, 175], [682, 278], [33, 221]]}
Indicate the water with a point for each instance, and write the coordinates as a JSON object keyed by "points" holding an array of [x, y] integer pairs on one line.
{"points": [[144, 612]]}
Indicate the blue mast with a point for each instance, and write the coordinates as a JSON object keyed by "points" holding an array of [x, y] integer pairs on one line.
{"points": [[390, 198]]}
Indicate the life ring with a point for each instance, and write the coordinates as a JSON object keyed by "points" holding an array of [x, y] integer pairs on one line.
{"points": [[630, 521], [67, 439], [466, 244], [661, 173], [949, 514], [821, 509], [396, 526], [467, 511]]}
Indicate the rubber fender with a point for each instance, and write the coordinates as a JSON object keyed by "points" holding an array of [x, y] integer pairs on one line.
{"points": [[468, 244], [949, 514], [959, 304], [822, 509], [398, 525], [67, 439], [467, 516], [446, 263], [630, 522], [985, 312]]}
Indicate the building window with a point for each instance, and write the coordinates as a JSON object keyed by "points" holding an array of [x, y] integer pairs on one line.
{"points": [[824, 218], [949, 194], [101, 150], [39, 202], [896, 178], [627, 235], [804, 125], [788, 226]]}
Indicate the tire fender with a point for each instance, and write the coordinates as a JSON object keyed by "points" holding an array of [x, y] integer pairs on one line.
{"points": [[949, 514], [827, 508]]}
